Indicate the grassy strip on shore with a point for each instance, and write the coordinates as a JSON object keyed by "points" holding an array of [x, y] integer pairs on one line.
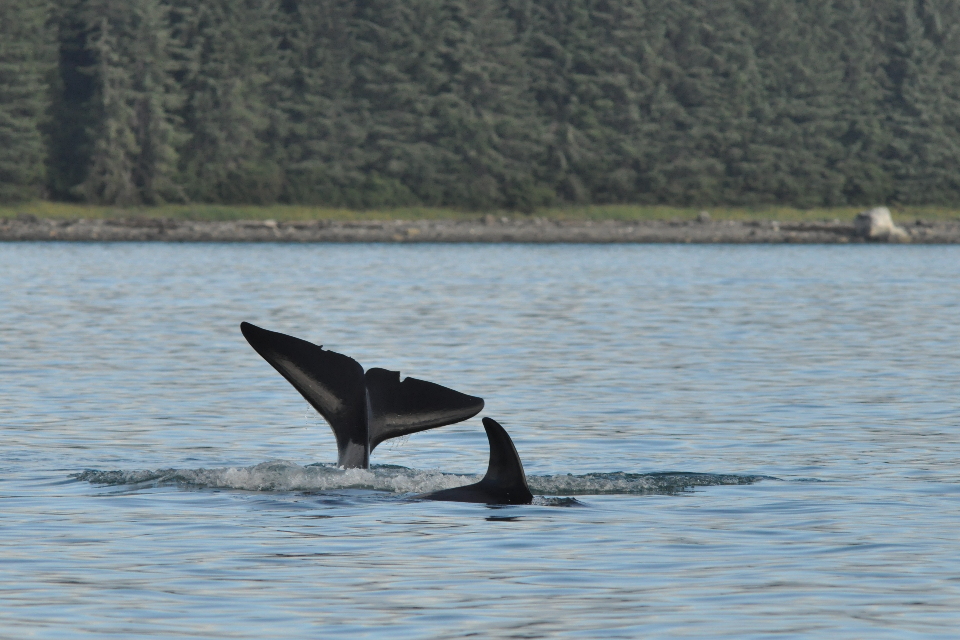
{"points": [[211, 212]]}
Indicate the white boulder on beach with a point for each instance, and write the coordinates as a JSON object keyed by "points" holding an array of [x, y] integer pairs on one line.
{"points": [[877, 224]]}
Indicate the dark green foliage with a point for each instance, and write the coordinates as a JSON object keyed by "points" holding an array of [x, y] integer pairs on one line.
{"points": [[230, 53], [116, 137], [72, 118], [484, 103], [26, 59], [921, 106], [327, 138], [443, 85], [401, 103]]}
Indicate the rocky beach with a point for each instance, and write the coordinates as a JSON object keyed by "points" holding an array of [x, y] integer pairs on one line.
{"points": [[488, 228]]}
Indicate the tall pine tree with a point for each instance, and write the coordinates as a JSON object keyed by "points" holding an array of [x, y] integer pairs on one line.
{"points": [[115, 138], [922, 110], [324, 129], [230, 53], [26, 60], [485, 103]]}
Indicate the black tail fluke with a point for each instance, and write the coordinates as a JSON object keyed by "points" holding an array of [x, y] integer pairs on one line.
{"points": [[363, 409], [332, 382], [401, 408], [505, 481]]}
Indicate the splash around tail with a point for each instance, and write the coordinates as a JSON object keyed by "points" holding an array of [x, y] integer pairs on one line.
{"points": [[284, 477]]}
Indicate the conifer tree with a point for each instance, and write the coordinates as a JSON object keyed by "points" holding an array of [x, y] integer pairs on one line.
{"points": [[110, 178], [324, 128], [26, 57], [484, 114], [561, 47], [230, 54], [484, 103], [922, 110], [860, 99], [73, 118], [158, 99], [795, 144], [120, 147], [444, 87]]}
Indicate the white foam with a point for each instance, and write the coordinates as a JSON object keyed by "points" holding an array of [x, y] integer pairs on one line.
{"points": [[631, 483], [281, 475]]}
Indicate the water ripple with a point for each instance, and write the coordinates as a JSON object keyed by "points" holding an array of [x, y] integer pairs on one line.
{"points": [[834, 369]]}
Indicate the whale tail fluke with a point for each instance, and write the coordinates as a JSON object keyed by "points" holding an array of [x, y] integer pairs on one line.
{"points": [[504, 483], [401, 408], [332, 382], [363, 409]]}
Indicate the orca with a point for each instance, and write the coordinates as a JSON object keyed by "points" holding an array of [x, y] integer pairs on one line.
{"points": [[362, 408], [504, 483]]}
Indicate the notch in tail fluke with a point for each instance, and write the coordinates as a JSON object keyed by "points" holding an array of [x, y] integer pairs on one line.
{"points": [[362, 408], [505, 481]]}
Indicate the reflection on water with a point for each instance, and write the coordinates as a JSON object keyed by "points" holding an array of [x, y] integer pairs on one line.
{"points": [[807, 396]]}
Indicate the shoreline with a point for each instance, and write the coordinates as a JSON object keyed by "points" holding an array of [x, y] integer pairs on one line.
{"points": [[487, 229]]}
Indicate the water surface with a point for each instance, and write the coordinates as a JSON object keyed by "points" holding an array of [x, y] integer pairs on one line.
{"points": [[742, 442]]}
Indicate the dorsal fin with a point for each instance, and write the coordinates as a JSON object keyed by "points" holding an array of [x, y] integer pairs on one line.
{"points": [[505, 478], [332, 382], [401, 408], [504, 483]]}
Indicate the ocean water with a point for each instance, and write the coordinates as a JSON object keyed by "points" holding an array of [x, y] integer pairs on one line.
{"points": [[724, 441]]}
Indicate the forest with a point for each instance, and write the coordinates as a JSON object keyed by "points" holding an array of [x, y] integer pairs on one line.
{"points": [[481, 104]]}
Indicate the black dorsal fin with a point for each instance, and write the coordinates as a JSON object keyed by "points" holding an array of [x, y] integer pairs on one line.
{"points": [[505, 481], [505, 478], [401, 408], [332, 382]]}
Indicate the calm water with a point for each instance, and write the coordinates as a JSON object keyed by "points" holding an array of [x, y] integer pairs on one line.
{"points": [[832, 372]]}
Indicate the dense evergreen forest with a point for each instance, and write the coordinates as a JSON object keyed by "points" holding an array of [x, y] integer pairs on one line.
{"points": [[481, 103]]}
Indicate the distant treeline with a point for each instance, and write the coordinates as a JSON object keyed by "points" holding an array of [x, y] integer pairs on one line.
{"points": [[481, 103]]}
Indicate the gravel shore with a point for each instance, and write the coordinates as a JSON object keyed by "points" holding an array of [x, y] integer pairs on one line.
{"points": [[484, 229]]}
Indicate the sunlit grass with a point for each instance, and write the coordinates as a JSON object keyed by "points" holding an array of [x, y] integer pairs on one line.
{"points": [[62, 210]]}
